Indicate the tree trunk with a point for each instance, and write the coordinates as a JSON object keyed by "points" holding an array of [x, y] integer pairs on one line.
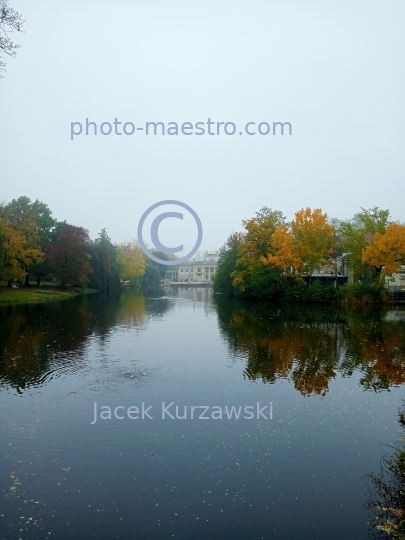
{"points": [[38, 280], [27, 281], [9, 283]]}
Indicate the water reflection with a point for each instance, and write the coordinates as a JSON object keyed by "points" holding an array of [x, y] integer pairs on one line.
{"points": [[386, 494], [41, 341], [309, 345], [293, 477]]}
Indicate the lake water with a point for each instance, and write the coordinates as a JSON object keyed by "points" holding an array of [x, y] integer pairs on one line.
{"points": [[295, 470]]}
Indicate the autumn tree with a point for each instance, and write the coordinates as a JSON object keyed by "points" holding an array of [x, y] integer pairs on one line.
{"points": [[256, 244], [68, 257], [34, 221], [132, 260], [386, 251], [357, 233], [286, 256], [314, 237], [305, 245], [16, 251], [10, 21]]}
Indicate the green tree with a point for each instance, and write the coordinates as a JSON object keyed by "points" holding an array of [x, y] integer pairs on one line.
{"points": [[2, 250], [151, 278], [356, 234], [104, 263], [256, 244], [228, 256]]}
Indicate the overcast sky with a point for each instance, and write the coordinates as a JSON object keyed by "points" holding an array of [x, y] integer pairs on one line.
{"points": [[333, 69]]}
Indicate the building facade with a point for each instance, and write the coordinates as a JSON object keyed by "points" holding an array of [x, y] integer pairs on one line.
{"points": [[195, 271], [396, 282]]}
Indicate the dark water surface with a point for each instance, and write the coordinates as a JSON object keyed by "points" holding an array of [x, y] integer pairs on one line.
{"points": [[334, 378]]}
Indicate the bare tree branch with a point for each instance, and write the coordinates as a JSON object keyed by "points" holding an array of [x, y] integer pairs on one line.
{"points": [[10, 21]]}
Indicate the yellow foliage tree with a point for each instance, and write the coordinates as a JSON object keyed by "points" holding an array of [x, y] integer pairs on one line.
{"points": [[314, 238], [303, 246], [18, 253], [131, 259], [387, 250]]}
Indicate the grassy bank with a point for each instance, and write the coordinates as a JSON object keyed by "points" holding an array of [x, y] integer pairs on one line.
{"points": [[31, 295]]}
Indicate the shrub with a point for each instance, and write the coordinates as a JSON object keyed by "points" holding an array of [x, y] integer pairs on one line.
{"points": [[361, 293], [316, 292]]}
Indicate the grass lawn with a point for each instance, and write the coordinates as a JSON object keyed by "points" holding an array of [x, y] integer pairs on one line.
{"points": [[46, 293]]}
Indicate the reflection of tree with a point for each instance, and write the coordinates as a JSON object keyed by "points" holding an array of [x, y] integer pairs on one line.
{"points": [[135, 310], [386, 498], [310, 344], [37, 340], [33, 339], [379, 346]]}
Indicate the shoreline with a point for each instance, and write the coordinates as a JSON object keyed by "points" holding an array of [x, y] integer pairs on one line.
{"points": [[37, 295]]}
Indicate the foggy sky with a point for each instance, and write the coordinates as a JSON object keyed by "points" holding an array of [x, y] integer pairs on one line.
{"points": [[334, 70]]}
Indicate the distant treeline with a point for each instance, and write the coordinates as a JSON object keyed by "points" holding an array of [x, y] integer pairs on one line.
{"points": [[35, 246], [275, 259]]}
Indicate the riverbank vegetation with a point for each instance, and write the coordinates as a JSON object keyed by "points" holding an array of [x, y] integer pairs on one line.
{"points": [[34, 247], [301, 261], [387, 495]]}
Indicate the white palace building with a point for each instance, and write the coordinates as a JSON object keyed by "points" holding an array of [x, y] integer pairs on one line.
{"points": [[200, 270]]}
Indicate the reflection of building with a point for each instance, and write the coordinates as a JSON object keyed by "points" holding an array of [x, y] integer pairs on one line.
{"points": [[195, 271], [397, 280]]}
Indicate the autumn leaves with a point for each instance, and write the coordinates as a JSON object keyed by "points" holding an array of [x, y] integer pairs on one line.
{"points": [[300, 247], [387, 250], [35, 245], [304, 245], [272, 253]]}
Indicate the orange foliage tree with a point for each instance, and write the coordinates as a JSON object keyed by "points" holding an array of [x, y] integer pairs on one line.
{"points": [[387, 250], [286, 256], [305, 245]]}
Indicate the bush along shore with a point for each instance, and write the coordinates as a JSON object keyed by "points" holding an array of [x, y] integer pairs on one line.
{"points": [[313, 258]]}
